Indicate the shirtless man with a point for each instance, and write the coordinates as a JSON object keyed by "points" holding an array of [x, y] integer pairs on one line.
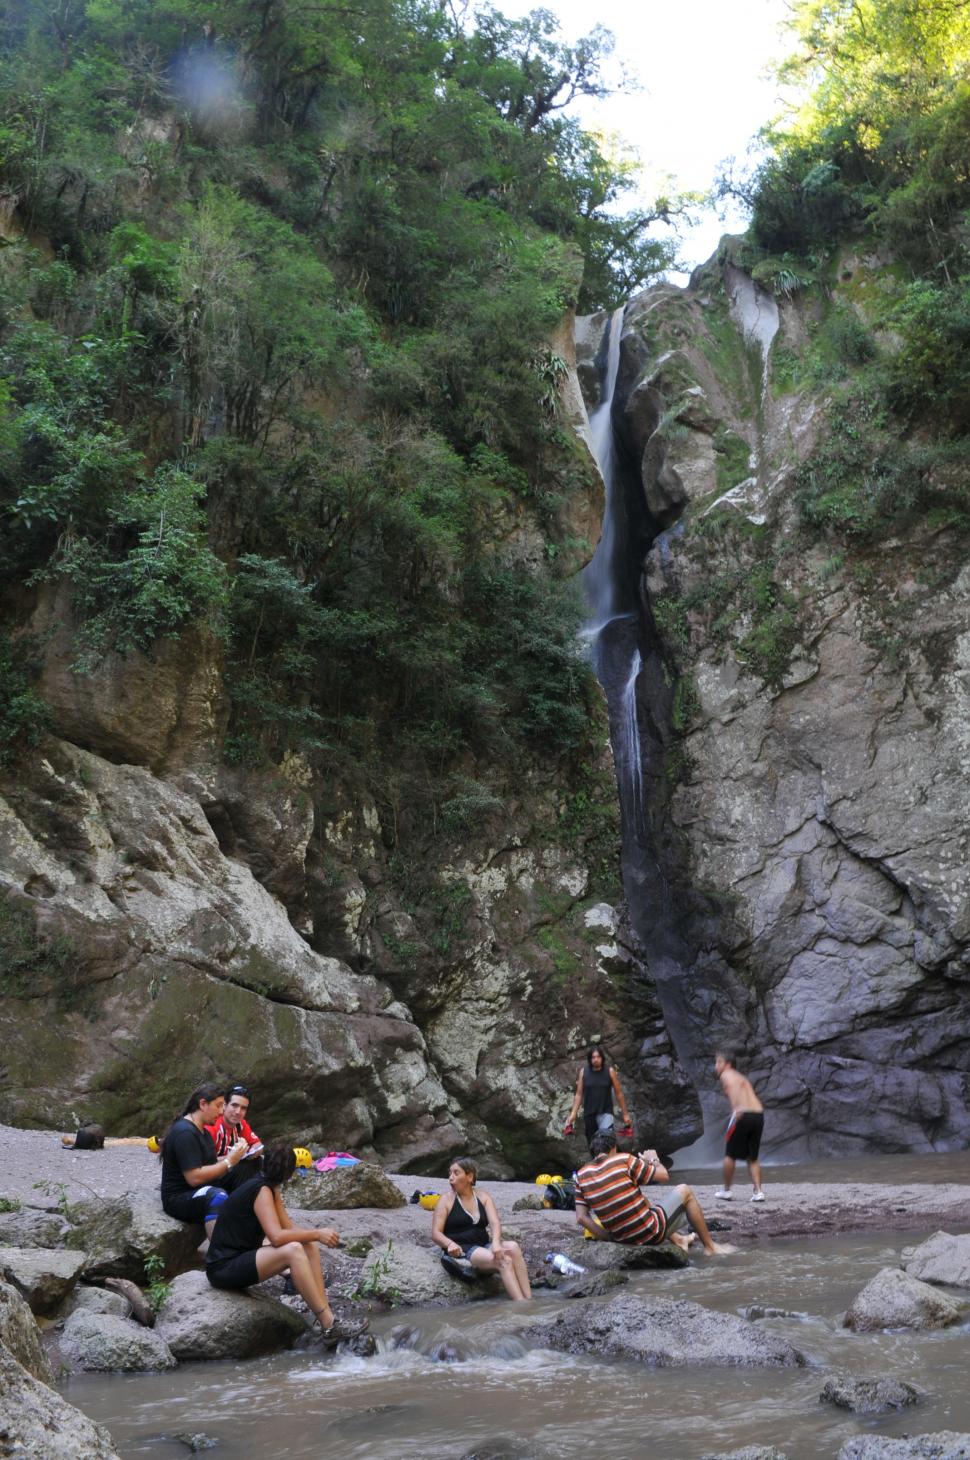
{"points": [[744, 1128]]}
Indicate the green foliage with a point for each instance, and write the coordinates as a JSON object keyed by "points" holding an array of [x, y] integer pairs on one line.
{"points": [[9, 1204], [158, 1290], [930, 371], [24, 717], [31, 964]]}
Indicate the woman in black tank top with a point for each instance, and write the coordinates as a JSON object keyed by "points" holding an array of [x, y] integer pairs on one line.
{"points": [[237, 1257], [466, 1224], [597, 1084]]}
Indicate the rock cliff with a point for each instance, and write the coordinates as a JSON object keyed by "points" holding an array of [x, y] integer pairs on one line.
{"points": [[804, 894], [166, 918]]}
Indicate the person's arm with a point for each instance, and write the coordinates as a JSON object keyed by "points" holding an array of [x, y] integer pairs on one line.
{"points": [[438, 1219], [615, 1082], [251, 1138], [588, 1222], [216, 1170], [492, 1218], [269, 1219], [577, 1102], [651, 1169]]}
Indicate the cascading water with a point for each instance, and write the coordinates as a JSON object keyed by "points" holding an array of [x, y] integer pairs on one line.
{"points": [[612, 628]]}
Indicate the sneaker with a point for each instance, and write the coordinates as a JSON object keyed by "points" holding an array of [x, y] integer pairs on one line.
{"points": [[459, 1267], [723, 1195], [758, 1196]]}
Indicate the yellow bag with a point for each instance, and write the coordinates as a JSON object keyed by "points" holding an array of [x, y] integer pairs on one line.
{"points": [[429, 1200], [304, 1159]]}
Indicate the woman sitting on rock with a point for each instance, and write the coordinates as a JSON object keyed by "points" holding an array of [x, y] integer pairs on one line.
{"points": [[254, 1238], [195, 1181], [466, 1226]]}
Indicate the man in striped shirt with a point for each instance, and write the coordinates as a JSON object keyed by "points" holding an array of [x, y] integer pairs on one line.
{"points": [[611, 1206]]}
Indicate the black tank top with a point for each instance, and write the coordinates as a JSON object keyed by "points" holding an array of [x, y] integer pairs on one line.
{"points": [[465, 1230], [237, 1228], [597, 1091]]}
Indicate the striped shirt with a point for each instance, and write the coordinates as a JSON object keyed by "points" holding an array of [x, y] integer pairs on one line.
{"points": [[610, 1189]]}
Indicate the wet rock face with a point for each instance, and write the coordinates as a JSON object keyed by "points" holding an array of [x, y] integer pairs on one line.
{"points": [[20, 1334], [107, 1343], [944, 1445], [805, 714], [664, 1331], [868, 1396], [36, 1421]]}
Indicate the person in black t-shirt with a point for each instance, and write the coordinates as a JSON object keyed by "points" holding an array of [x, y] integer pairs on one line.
{"points": [[597, 1084], [195, 1182], [254, 1238]]}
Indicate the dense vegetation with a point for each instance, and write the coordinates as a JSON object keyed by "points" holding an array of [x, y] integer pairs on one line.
{"points": [[278, 285], [877, 155]]}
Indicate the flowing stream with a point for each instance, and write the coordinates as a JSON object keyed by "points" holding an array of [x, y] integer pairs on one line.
{"points": [[446, 1381]]}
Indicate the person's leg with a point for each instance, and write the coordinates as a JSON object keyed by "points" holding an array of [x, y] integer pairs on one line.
{"points": [[696, 1218], [754, 1166], [304, 1268], [483, 1259], [521, 1271], [729, 1165]]}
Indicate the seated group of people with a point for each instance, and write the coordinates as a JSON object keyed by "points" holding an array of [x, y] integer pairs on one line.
{"points": [[216, 1171]]}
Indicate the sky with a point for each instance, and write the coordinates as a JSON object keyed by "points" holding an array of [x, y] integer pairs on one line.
{"points": [[701, 65]]}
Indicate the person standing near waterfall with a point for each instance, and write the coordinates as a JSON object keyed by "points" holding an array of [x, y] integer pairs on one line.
{"points": [[744, 1128], [597, 1084]]}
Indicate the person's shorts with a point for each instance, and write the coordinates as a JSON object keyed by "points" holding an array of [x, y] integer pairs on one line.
{"points": [[744, 1136], [239, 1271], [201, 1205], [671, 1203]]}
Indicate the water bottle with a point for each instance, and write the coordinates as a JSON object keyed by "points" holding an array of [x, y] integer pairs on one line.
{"points": [[559, 1262]]}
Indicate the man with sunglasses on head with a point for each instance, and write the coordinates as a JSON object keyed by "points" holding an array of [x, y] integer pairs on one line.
{"points": [[232, 1125]]}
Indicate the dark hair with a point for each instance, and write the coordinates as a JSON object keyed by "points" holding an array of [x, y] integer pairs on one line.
{"points": [[279, 1163], [602, 1143], [467, 1165], [238, 1090], [597, 1049], [724, 1054], [207, 1091]]}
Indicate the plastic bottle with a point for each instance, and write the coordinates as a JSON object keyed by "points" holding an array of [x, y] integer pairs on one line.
{"points": [[561, 1263]]}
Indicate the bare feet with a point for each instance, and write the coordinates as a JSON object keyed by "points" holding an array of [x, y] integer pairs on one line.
{"points": [[683, 1240], [722, 1249]]}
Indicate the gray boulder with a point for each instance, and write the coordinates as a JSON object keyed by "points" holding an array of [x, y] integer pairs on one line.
{"points": [[37, 1424], [363, 1185], [667, 1332], [120, 1235], [105, 1342], [944, 1445], [410, 1276], [893, 1299], [19, 1332], [41, 1276], [942, 1258], [97, 1300], [30, 1228], [593, 1284], [868, 1396], [617, 1257], [197, 1321]]}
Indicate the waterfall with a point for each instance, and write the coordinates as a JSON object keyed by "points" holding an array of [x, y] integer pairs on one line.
{"points": [[612, 628]]}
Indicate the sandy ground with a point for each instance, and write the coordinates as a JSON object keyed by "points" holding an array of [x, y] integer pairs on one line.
{"points": [[39, 1172]]}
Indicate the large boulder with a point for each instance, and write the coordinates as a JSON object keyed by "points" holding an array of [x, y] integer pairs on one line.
{"points": [[41, 1276], [894, 1299], [103, 1341], [868, 1396], [668, 1332], [942, 1258], [198, 1321], [120, 1235], [618, 1257], [30, 1228], [363, 1185], [97, 1300], [404, 1274], [19, 1331], [37, 1424], [944, 1445]]}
